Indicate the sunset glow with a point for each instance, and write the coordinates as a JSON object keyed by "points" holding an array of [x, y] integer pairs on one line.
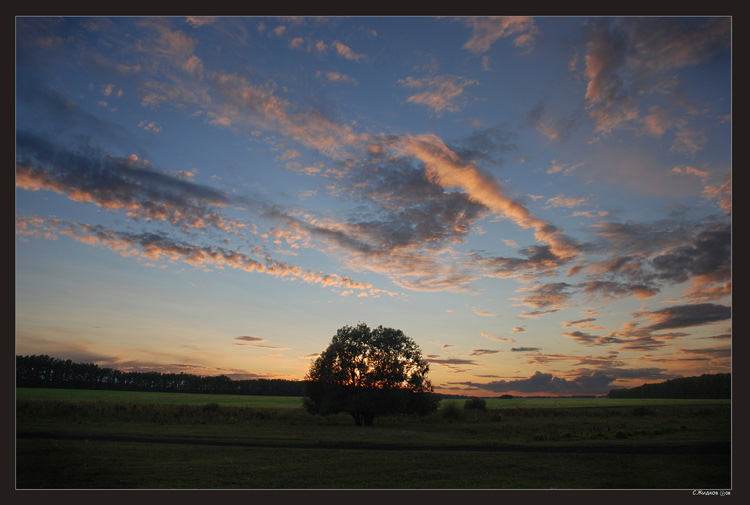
{"points": [[542, 204]]}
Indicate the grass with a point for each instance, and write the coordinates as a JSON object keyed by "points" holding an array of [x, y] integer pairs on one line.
{"points": [[79, 440], [137, 397]]}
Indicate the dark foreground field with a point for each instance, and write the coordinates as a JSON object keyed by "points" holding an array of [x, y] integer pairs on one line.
{"points": [[112, 444]]}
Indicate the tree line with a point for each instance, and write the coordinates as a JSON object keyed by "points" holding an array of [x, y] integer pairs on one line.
{"points": [[43, 371], [707, 386]]}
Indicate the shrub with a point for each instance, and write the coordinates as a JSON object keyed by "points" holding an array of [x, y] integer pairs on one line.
{"points": [[451, 412], [643, 411], [475, 404]]}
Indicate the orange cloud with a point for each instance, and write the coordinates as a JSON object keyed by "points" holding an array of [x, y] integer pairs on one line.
{"points": [[444, 167]]}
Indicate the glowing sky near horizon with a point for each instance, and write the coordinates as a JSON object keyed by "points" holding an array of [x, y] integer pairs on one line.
{"points": [[542, 204]]}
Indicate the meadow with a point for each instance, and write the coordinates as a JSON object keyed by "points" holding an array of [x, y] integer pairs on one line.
{"points": [[80, 439]]}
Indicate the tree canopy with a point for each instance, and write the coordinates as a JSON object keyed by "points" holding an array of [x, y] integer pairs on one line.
{"points": [[367, 372]]}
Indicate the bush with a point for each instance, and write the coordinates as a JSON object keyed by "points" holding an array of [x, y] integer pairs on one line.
{"points": [[476, 404], [641, 411], [451, 412]]}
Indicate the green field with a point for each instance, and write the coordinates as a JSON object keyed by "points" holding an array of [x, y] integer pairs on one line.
{"points": [[85, 395], [75, 439]]}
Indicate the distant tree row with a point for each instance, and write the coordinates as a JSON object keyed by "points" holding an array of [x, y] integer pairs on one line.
{"points": [[45, 372], [712, 386]]}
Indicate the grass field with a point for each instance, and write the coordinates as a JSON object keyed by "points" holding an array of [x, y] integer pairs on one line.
{"points": [[76, 395], [73, 439]]}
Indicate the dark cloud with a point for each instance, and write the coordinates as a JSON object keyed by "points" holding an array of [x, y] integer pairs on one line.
{"points": [[525, 349], [645, 257], [453, 361], [250, 339], [710, 352], [686, 316], [88, 174], [489, 146], [582, 338], [723, 336], [536, 260], [397, 206], [709, 254], [568, 324], [539, 313], [550, 294], [482, 352], [614, 289], [453, 364], [554, 128], [596, 382]]}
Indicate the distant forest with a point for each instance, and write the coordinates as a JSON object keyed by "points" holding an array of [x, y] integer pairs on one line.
{"points": [[717, 386], [46, 372]]}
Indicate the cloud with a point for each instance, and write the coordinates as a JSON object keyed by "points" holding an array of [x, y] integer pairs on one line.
{"points": [[485, 313], [445, 168], [582, 338], [250, 339], [710, 352], [596, 382], [708, 256], [553, 294], [155, 247], [554, 128], [455, 365], [686, 316], [646, 256], [337, 77], [627, 58], [688, 170], [90, 175], [487, 30], [492, 336], [346, 51], [567, 201], [722, 193], [440, 93], [568, 324], [488, 146], [536, 261], [482, 352]]}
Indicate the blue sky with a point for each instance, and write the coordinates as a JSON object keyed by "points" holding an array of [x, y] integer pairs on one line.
{"points": [[542, 204]]}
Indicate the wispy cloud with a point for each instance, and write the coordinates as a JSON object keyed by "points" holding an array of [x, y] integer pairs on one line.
{"points": [[440, 93], [626, 57], [485, 31]]}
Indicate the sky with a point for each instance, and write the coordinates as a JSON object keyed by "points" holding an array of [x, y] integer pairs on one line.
{"points": [[542, 204]]}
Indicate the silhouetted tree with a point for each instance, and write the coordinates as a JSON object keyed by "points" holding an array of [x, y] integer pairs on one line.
{"points": [[367, 372]]}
